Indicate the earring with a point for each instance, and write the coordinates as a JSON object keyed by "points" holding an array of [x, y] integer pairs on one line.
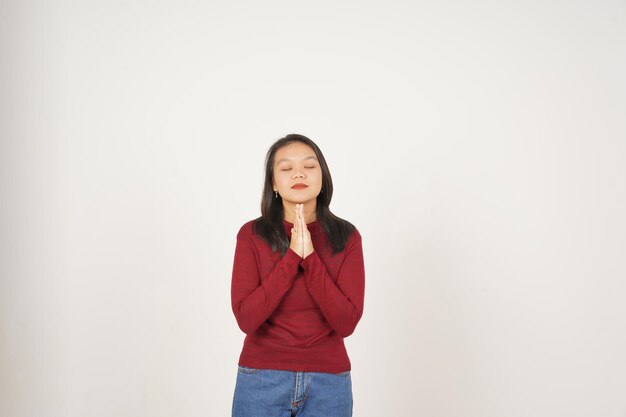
{"points": [[276, 192]]}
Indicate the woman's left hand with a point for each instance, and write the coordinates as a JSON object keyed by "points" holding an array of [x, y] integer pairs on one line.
{"points": [[308, 243]]}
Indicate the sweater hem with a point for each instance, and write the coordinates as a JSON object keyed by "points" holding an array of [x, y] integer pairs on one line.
{"points": [[299, 368]]}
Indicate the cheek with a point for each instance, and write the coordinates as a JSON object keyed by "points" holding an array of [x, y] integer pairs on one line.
{"points": [[318, 179], [280, 179]]}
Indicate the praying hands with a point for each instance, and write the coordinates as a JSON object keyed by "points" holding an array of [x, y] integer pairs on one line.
{"points": [[301, 242]]}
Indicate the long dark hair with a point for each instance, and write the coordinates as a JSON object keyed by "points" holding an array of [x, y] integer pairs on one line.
{"points": [[270, 225]]}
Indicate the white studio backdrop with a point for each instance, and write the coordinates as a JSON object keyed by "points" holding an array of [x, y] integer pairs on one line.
{"points": [[479, 147]]}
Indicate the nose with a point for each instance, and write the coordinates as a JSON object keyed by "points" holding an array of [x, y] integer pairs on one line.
{"points": [[298, 173]]}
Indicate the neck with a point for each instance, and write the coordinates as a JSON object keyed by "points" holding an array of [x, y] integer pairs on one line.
{"points": [[310, 213]]}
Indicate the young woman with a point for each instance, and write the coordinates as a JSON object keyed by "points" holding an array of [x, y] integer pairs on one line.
{"points": [[297, 291]]}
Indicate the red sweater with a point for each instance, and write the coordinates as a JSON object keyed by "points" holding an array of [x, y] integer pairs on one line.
{"points": [[296, 312]]}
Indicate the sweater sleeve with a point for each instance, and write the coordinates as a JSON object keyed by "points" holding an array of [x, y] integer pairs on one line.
{"points": [[341, 303], [253, 300]]}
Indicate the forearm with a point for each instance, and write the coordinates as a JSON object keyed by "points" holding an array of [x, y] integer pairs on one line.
{"points": [[341, 303], [254, 300]]}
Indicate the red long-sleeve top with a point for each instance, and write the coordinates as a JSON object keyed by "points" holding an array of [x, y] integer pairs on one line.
{"points": [[296, 312]]}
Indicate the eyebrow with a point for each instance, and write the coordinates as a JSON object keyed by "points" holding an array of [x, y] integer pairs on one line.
{"points": [[288, 159]]}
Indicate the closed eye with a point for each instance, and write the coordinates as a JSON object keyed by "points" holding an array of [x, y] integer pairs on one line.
{"points": [[289, 169]]}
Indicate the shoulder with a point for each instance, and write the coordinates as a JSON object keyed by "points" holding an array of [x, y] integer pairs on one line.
{"points": [[355, 235], [349, 232], [247, 229]]}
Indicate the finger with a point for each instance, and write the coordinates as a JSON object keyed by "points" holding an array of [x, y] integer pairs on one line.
{"points": [[297, 216], [302, 222], [297, 220]]}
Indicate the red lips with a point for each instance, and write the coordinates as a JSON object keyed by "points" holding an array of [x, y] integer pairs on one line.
{"points": [[299, 186]]}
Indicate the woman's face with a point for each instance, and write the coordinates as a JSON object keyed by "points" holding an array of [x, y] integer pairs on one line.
{"points": [[296, 163]]}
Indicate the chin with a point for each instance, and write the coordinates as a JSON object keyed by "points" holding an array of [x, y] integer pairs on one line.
{"points": [[302, 199]]}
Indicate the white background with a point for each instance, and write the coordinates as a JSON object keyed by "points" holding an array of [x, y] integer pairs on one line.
{"points": [[479, 147]]}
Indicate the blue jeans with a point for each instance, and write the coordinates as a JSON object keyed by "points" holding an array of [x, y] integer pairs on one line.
{"points": [[275, 393]]}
